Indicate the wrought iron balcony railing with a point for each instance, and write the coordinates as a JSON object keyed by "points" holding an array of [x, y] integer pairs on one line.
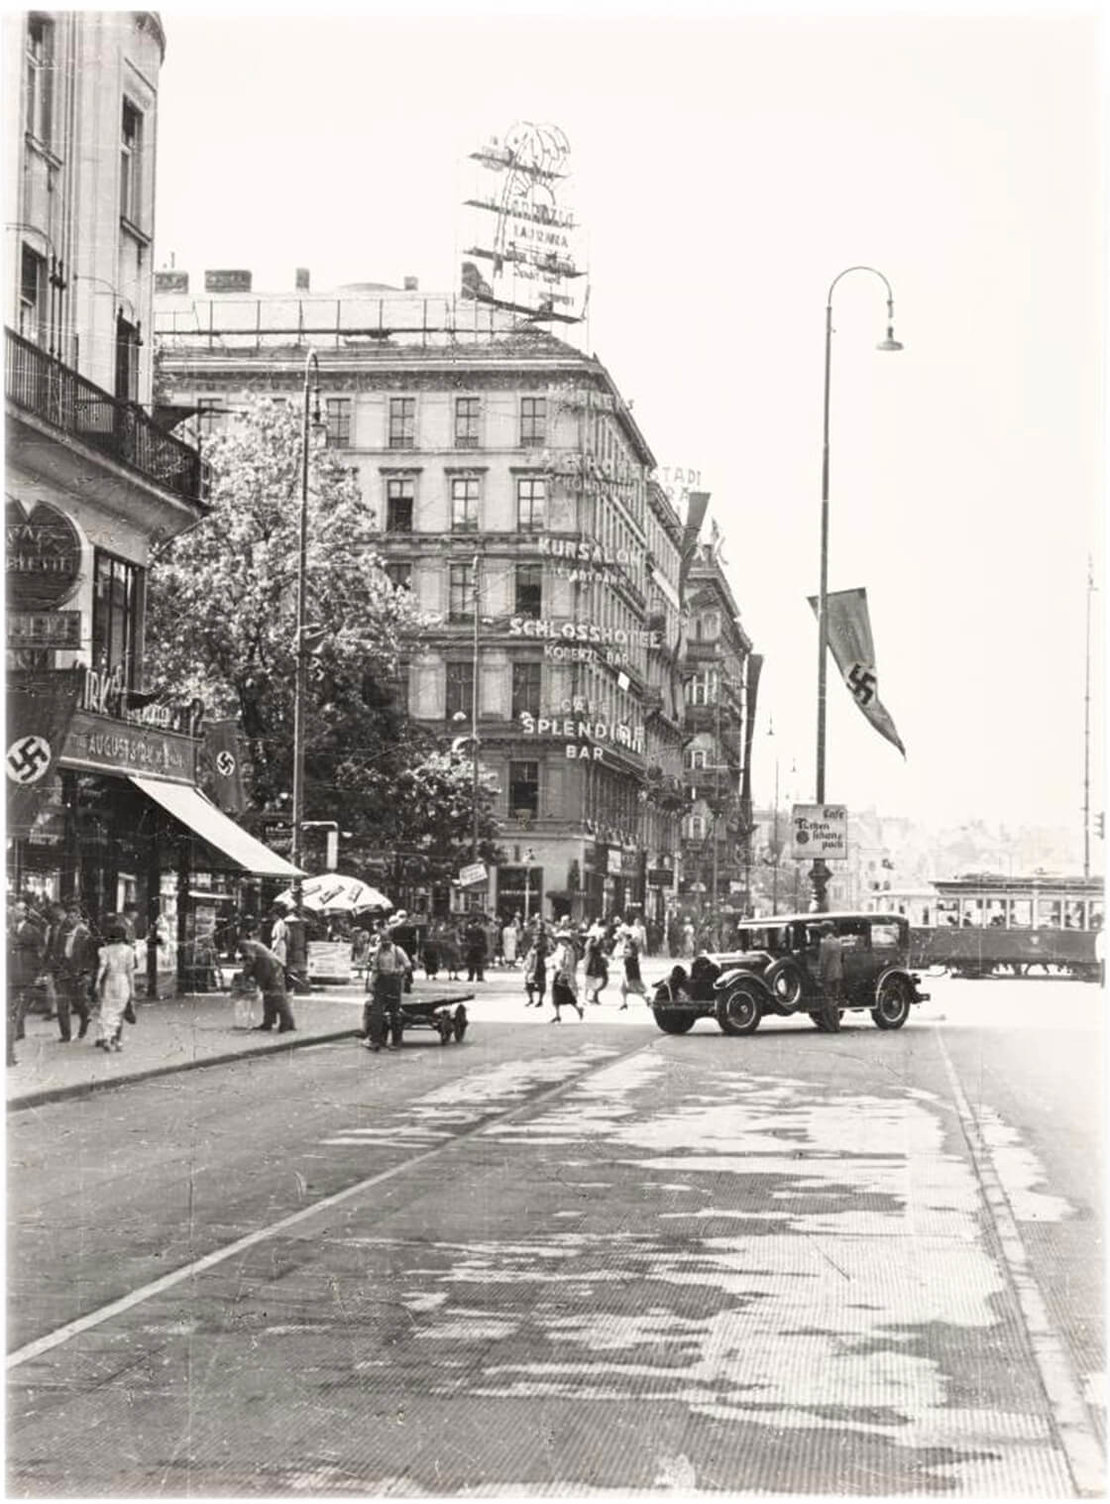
{"points": [[41, 384]]}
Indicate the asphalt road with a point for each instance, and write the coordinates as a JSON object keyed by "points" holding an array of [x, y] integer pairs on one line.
{"points": [[578, 1259]]}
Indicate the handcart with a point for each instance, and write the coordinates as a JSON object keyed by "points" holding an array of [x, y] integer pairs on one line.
{"points": [[449, 1021]]}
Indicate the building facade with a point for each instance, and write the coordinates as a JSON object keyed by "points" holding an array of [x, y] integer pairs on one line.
{"points": [[513, 496], [94, 485]]}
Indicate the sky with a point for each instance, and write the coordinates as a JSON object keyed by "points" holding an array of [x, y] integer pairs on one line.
{"points": [[726, 167]]}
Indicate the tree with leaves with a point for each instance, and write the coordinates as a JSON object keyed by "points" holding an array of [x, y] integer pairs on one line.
{"points": [[222, 625]]}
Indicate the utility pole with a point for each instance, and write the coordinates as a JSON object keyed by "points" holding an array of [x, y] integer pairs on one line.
{"points": [[474, 702], [1087, 730]]}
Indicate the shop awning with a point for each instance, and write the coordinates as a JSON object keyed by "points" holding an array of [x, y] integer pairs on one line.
{"points": [[200, 815]]}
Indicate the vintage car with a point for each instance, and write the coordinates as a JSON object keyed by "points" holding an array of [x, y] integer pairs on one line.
{"points": [[774, 970]]}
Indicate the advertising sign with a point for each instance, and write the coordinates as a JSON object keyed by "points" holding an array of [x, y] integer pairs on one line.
{"points": [[474, 872], [819, 830], [103, 745], [42, 556]]}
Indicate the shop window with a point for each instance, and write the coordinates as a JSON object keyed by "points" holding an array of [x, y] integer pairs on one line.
{"points": [[531, 503], [527, 685], [524, 790], [460, 593], [400, 493], [402, 422], [459, 699], [468, 412], [117, 587], [529, 590], [338, 416], [464, 503], [533, 422]]}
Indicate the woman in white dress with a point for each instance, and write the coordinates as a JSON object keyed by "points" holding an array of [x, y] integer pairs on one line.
{"points": [[115, 986]]}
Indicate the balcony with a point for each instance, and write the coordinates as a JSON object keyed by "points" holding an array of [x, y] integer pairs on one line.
{"points": [[53, 392]]}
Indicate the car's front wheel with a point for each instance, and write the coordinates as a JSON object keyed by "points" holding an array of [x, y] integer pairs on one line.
{"points": [[673, 1021], [892, 1005], [738, 1011]]}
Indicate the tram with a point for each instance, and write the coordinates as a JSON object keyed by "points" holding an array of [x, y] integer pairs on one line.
{"points": [[982, 925]]}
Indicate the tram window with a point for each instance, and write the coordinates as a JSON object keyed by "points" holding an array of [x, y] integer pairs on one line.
{"points": [[1048, 913], [1095, 921], [948, 911], [996, 912], [1073, 913], [1021, 914]]}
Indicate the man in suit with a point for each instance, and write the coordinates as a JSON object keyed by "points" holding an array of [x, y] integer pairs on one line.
{"points": [[265, 968]]}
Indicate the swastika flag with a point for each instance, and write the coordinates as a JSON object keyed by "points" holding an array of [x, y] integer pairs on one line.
{"points": [[40, 708], [225, 754], [849, 637]]}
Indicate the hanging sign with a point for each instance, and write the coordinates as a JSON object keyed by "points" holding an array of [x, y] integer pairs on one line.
{"points": [[820, 830], [474, 872]]}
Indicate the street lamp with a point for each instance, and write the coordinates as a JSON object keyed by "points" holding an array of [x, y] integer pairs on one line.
{"points": [[529, 858], [819, 872], [311, 388]]}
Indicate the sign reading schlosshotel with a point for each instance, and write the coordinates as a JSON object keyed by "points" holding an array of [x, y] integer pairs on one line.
{"points": [[585, 631]]}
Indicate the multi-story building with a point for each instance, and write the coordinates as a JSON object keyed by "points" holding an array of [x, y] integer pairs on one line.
{"points": [[511, 485], [94, 483], [720, 693]]}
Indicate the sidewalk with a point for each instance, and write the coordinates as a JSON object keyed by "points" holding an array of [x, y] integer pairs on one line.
{"points": [[180, 1034]]}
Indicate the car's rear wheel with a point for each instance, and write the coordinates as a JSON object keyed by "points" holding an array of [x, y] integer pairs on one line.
{"points": [[892, 1006], [738, 1012], [785, 981], [459, 1023], [672, 1021]]}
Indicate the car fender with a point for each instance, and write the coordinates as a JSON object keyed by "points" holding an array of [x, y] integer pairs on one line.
{"points": [[906, 976], [728, 979]]}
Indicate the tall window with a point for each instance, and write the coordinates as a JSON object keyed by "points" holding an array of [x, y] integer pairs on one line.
{"points": [[702, 689], [127, 360], [400, 492], [460, 689], [524, 790], [693, 827], [209, 416], [32, 297], [130, 164], [464, 503], [402, 422], [399, 574], [695, 758], [533, 422], [529, 589], [40, 78], [460, 597], [116, 606], [527, 685], [339, 422], [467, 414], [531, 503]]}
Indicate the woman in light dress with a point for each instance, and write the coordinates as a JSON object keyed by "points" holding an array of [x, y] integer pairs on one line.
{"points": [[115, 986]]}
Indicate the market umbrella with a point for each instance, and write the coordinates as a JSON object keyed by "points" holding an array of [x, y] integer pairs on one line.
{"points": [[335, 893]]}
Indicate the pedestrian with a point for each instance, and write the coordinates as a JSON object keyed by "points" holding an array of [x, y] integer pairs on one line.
{"points": [[535, 969], [381, 1015], [509, 939], [475, 942], [25, 944], [261, 964], [688, 939], [629, 950], [564, 977], [115, 985], [450, 951], [78, 965], [279, 935], [830, 966], [597, 964], [431, 954]]}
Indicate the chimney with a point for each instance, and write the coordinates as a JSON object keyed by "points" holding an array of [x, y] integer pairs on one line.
{"points": [[302, 279], [412, 284]]}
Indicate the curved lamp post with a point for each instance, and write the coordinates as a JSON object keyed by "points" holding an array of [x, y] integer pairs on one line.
{"points": [[819, 872], [311, 389]]}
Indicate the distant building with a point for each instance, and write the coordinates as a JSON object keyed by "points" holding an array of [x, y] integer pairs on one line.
{"points": [[508, 478]]}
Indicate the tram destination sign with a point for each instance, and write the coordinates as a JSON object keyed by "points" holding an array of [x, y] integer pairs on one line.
{"points": [[819, 830]]}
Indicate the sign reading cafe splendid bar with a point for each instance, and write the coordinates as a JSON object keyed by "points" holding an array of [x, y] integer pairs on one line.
{"points": [[617, 733]]}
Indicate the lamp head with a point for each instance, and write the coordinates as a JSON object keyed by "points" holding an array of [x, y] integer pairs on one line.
{"points": [[890, 343]]}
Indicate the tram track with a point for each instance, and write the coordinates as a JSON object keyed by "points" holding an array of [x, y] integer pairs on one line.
{"points": [[49, 1341]]}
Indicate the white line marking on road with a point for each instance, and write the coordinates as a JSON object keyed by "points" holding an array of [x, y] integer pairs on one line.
{"points": [[1078, 1437], [128, 1302]]}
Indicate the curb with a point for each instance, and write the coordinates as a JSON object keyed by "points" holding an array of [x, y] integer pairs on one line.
{"points": [[50, 1094]]}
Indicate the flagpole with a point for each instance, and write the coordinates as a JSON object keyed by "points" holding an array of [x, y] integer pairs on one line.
{"points": [[819, 873]]}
